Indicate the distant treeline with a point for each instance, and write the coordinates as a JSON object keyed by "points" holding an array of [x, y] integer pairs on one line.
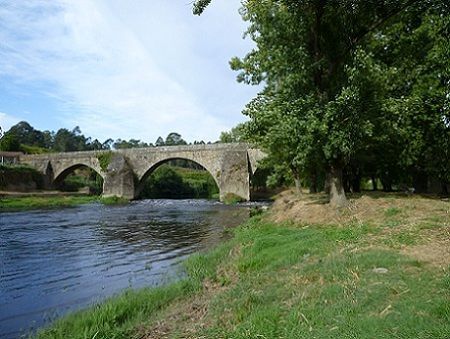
{"points": [[25, 138]]}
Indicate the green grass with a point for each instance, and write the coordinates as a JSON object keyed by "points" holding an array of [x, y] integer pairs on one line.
{"points": [[232, 199], [36, 202], [392, 211], [114, 201], [283, 281]]}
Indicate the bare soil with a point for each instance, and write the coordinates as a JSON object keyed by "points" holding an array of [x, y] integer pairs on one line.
{"points": [[426, 217]]}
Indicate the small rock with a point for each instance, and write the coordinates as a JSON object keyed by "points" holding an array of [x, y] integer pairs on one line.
{"points": [[380, 270]]}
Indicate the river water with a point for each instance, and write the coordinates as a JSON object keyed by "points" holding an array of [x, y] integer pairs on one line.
{"points": [[56, 261]]}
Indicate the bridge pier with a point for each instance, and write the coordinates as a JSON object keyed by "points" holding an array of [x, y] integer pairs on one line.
{"points": [[119, 178], [234, 177]]}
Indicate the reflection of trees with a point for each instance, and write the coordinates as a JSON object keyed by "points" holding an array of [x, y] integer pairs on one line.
{"points": [[168, 229]]}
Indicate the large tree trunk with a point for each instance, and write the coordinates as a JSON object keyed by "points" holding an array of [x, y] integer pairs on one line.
{"points": [[356, 180], [444, 188], [337, 193], [297, 181], [313, 182], [374, 183], [386, 181], [298, 186], [420, 182]]}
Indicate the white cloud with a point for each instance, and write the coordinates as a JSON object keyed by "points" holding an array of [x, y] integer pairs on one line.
{"points": [[7, 121], [127, 69]]}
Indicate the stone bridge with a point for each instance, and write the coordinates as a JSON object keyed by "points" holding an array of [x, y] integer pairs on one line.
{"points": [[124, 171]]}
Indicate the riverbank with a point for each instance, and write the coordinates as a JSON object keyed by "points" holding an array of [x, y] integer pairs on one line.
{"points": [[379, 268], [30, 202], [51, 200]]}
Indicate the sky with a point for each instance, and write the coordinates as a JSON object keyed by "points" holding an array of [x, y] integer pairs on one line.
{"points": [[122, 69]]}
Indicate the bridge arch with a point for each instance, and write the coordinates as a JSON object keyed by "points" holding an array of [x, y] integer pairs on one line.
{"points": [[61, 168], [59, 176], [154, 166], [61, 173]]}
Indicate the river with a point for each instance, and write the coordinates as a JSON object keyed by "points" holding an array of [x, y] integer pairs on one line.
{"points": [[56, 261]]}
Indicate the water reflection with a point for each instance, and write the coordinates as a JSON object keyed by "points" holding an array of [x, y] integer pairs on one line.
{"points": [[56, 261]]}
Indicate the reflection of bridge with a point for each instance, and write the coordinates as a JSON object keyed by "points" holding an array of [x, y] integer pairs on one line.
{"points": [[124, 171]]}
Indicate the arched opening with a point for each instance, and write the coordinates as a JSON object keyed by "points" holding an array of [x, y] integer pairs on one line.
{"points": [[258, 184], [79, 178], [177, 178]]}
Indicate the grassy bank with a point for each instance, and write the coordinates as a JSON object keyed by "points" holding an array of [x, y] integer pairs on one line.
{"points": [[380, 274], [36, 202], [24, 203]]}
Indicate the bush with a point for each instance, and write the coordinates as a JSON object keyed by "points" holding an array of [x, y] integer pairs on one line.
{"points": [[16, 175]]}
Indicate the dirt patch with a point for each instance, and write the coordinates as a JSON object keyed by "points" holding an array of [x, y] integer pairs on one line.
{"points": [[368, 207], [419, 226], [184, 318], [436, 251]]}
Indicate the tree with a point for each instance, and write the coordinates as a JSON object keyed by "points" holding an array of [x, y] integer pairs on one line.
{"points": [[200, 5], [159, 142], [65, 141], [236, 134], [132, 143], [9, 143], [107, 144], [324, 94], [27, 135], [174, 139]]}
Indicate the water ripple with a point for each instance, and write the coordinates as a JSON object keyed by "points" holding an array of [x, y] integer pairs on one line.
{"points": [[56, 261]]}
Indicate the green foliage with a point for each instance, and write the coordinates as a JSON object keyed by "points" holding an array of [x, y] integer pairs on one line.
{"points": [[9, 143], [26, 134], [236, 134], [174, 139], [159, 142], [199, 6], [17, 174], [24, 137], [41, 202], [355, 86], [179, 183], [72, 183], [132, 143], [33, 149], [231, 199], [114, 201], [104, 159], [392, 211], [86, 178]]}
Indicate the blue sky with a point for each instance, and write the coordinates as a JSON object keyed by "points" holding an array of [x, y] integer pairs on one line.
{"points": [[122, 69]]}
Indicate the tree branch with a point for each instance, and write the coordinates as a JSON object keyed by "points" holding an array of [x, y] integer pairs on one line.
{"points": [[380, 22], [199, 6]]}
